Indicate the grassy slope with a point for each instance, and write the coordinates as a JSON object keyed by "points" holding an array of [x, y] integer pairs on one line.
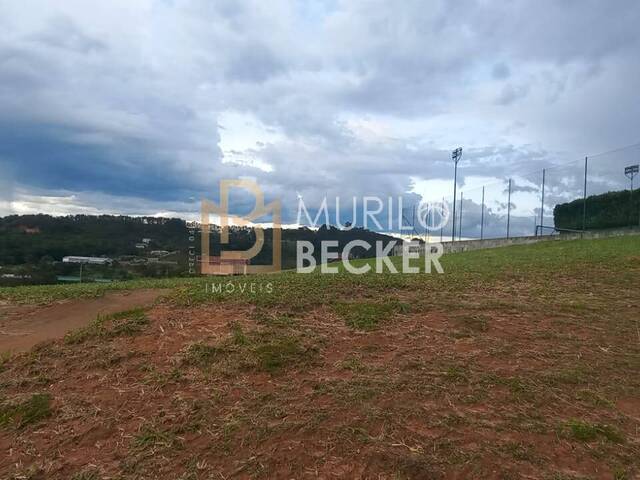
{"points": [[540, 261], [516, 361]]}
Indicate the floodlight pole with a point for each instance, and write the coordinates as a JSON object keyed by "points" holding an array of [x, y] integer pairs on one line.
{"points": [[630, 172], [456, 155]]}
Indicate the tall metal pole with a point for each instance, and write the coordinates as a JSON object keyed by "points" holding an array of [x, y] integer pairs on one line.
{"points": [[584, 198], [456, 155], [509, 209], [482, 217], [441, 222], [426, 230], [638, 213], [631, 202], [544, 172], [630, 172], [455, 183], [460, 229], [413, 221]]}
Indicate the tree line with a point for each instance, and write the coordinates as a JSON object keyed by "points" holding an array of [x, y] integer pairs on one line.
{"points": [[37, 239], [608, 210]]}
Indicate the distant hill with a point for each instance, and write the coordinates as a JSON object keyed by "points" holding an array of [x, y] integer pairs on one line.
{"points": [[30, 239]]}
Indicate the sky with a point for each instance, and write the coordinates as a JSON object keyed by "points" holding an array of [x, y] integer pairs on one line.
{"points": [[142, 106]]}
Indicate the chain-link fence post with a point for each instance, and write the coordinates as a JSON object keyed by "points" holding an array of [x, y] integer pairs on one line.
{"points": [[460, 229], [441, 222], [482, 217], [509, 209], [584, 195], [544, 175]]}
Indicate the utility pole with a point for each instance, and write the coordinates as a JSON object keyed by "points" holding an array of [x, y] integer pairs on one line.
{"points": [[456, 155]]}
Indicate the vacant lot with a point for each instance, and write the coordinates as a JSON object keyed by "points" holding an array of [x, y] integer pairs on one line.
{"points": [[516, 363]]}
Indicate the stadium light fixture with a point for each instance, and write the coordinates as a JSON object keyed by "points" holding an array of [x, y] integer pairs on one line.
{"points": [[630, 172], [456, 155]]}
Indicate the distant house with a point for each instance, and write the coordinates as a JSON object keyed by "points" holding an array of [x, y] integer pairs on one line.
{"points": [[225, 266], [159, 253], [146, 241], [29, 230], [88, 260], [141, 246], [15, 276]]}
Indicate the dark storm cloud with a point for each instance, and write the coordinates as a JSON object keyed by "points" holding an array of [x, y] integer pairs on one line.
{"points": [[123, 99]]}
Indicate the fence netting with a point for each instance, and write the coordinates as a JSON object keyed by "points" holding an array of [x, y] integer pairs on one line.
{"points": [[594, 192]]}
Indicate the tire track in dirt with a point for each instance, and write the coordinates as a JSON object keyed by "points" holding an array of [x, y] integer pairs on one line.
{"points": [[23, 326]]}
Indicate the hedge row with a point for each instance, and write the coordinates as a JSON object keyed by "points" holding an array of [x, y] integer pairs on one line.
{"points": [[609, 210]]}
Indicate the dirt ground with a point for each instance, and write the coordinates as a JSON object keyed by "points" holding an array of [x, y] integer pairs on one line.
{"points": [[23, 326], [212, 392], [517, 364]]}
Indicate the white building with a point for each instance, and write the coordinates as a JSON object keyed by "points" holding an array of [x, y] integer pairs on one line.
{"points": [[88, 260]]}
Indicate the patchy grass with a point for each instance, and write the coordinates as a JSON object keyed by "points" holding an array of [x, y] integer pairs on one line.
{"points": [[151, 436], [89, 474], [4, 359], [469, 325], [23, 413], [519, 451], [278, 353], [129, 322], [594, 398], [588, 432], [202, 355], [269, 350], [368, 315]]}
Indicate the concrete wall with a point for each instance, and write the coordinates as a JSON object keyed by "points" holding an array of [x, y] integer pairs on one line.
{"points": [[466, 245]]}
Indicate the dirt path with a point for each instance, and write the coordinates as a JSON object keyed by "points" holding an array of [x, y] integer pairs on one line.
{"points": [[23, 326]]}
